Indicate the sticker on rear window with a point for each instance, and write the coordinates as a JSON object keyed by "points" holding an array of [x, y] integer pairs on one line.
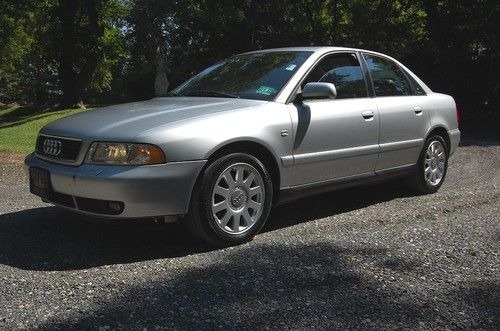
{"points": [[265, 90], [290, 67]]}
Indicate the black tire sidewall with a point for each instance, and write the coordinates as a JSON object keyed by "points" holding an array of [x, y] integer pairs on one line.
{"points": [[210, 176]]}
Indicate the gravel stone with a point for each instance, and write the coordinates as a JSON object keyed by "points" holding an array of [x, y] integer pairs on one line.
{"points": [[373, 257]]}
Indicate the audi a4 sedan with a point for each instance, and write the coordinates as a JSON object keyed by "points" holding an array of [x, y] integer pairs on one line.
{"points": [[249, 132]]}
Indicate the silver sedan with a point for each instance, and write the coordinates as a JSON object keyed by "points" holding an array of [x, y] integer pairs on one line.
{"points": [[249, 132]]}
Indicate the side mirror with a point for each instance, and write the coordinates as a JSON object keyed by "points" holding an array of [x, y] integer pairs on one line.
{"points": [[319, 90]]}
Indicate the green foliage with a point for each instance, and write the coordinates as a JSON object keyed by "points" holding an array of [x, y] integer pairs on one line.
{"points": [[27, 66], [453, 45], [113, 44]]}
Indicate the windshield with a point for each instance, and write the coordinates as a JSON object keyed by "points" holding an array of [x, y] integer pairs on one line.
{"points": [[259, 76]]}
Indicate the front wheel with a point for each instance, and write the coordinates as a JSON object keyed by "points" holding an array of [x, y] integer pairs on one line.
{"points": [[232, 200], [431, 167]]}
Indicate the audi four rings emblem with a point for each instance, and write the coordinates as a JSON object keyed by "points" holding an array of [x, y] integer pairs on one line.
{"points": [[52, 147]]}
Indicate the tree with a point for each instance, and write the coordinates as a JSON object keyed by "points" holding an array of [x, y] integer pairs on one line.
{"points": [[113, 50], [150, 26], [465, 37], [80, 47], [28, 70]]}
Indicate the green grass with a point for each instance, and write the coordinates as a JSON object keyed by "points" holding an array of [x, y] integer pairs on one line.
{"points": [[19, 126]]}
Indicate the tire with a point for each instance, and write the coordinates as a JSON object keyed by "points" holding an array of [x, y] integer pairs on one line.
{"points": [[231, 200], [432, 166]]}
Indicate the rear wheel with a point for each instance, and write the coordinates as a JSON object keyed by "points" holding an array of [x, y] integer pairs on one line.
{"points": [[231, 201], [432, 165]]}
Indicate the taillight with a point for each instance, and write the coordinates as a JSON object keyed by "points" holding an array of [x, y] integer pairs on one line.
{"points": [[458, 115]]}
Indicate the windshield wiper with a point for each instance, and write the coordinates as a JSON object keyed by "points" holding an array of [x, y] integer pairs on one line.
{"points": [[209, 93]]}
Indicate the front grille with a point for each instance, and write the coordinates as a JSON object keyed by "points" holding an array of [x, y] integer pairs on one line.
{"points": [[58, 148], [62, 199], [104, 207]]}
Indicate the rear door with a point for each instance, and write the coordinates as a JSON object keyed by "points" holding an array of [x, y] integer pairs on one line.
{"points": [[335, 138], [402, 110]]}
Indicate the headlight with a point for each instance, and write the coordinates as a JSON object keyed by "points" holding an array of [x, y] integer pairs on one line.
{"points": [[124, 154]]}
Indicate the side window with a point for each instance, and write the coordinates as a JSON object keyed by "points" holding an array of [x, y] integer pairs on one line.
{"points": [[416, 86], [344, 71], [387, 77]]}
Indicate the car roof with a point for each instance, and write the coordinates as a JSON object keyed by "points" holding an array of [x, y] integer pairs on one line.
{"points": [[319, 51], [308, 49]]}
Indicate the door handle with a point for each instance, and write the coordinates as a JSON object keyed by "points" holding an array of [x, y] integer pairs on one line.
{"points": [[367, 115], [418, 110]]}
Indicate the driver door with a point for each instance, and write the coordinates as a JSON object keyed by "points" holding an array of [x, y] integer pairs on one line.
{"points": [[335, 138]]}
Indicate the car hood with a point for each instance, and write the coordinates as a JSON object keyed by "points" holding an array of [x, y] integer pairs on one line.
{"points": [[125, 121]]}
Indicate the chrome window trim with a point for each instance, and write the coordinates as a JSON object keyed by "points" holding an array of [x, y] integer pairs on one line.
{"points": [[406, 72], [311, 67]]}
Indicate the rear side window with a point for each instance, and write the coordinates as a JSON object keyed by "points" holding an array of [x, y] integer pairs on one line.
{"points": [[416, 86], [388, 79], [344, 71]]}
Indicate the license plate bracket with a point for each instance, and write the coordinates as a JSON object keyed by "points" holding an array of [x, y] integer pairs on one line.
{"points": [[40, 182]]}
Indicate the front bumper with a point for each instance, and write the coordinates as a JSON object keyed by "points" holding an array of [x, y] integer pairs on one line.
{"points": [[146, 191]]}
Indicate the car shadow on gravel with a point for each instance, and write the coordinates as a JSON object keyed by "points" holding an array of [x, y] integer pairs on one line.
{"points": [[311, 285], [51, 238], [301, 286], [334, 203]]}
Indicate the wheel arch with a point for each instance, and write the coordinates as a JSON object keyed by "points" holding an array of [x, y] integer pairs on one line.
{"points": [[442, 132], [255, 149]]}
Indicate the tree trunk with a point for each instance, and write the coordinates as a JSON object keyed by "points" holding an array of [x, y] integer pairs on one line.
{"points": [[161, 80], [334, 27], [74, 83], [67, 13]]}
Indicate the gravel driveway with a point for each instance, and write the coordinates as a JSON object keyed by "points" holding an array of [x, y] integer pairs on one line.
{"points": [[374, 257]]}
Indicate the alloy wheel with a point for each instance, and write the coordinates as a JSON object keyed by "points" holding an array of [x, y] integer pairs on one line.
{"points": [[434, 163], [237, 198]]}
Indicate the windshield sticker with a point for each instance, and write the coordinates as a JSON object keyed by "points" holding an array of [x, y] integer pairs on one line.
{"points": [[290, 67], [265, 90]]}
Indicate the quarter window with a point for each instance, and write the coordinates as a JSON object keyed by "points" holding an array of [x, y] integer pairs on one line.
{"points": [[344, 71], [416, 86], [388, 79]]}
